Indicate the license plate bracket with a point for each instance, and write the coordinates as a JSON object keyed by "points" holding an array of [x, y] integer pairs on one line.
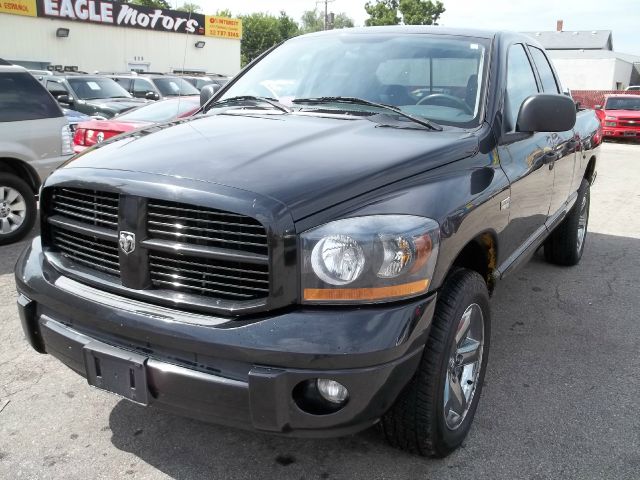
{"points": [[629, 134], [117, 371]]}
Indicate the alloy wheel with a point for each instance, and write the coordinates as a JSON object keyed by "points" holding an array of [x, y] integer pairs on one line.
{"points": [[13, 210]]}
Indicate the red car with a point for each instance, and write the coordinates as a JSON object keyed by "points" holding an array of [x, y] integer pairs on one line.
{"points": [[92, 132], [620, 116]]}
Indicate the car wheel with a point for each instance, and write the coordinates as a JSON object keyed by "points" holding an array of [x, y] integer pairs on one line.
{"points": [[566, 243], [433, 414], [18, 208]]}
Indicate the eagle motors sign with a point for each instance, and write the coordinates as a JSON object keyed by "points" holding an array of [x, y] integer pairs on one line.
{"points": [[123, 15]]}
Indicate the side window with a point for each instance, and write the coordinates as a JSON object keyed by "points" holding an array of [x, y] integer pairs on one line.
{"points": [[124, 83], [141, 87], [22, 97], [521, 83], [56, 88], [544, 70]]}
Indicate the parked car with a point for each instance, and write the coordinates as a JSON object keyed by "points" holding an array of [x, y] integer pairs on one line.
{"points": [[155, 86], [632, 88], [92, 95], [201, 81], [74, 118], [620, 116], [34, 139], [317, 262], [92, 132]]}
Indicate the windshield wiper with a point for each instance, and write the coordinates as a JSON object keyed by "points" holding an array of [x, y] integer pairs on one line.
{"points": [[360, 101], [251, 98]]}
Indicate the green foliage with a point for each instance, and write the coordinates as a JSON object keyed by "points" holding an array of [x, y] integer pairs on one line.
{"points": [[342, 21], [412, 12], [262, 31], [421, 12], [223, 13], [189, 7], [312, 21], [382, 12], [151, 3]]}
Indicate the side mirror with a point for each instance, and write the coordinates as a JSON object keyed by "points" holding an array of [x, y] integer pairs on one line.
{"points": [[152, 96], [64, 99], [597, 107], [546, 113], [207, 92]]}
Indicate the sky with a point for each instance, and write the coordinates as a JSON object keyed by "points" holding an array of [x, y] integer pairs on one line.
{"points": [[621, 16]]}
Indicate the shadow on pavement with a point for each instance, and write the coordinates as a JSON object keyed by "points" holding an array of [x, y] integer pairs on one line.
{"points": [[558, 336], [9, 253]]}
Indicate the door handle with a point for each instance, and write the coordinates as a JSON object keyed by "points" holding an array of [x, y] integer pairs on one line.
{"points": [[550, 159]]}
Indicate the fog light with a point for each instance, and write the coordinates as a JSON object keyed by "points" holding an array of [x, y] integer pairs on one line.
{"points": [[332, 391]]}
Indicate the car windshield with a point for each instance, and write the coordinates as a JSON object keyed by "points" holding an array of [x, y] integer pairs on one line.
{"points": [[174, 86], [432, 76], [618, 103], [162, 111], [94, 88]]}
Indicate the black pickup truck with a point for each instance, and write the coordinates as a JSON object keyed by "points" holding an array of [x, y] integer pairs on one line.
{"points": [[314, 253]]}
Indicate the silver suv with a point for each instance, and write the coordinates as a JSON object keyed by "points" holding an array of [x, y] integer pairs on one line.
{"points": [[34, 139]]}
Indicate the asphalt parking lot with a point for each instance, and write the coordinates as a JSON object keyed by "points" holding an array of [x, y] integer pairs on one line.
{"points": [[562, 394]]}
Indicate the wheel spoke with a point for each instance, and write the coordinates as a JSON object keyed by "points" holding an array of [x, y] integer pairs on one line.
{"points": [[468, 352], [4, 225], [11, 195], [16, 220], [19, 206], [456, 401], [2, 193], [463, 326]]}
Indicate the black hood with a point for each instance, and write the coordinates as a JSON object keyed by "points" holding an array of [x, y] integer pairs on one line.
{"points": [[117, 105], [308, 163]]}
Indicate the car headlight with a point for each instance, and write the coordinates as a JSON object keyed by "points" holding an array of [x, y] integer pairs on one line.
{"points": [[609, 124], [369, 259]]}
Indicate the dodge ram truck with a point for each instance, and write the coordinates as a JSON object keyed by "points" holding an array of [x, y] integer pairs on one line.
{"points": [[314, 252]]}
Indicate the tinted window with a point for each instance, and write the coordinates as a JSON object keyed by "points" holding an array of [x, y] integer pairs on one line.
{"points": [[124, 83], [521, 83], [142, 87], [56, 88], [173, 86], [23, 98], [162, 111], [619, 103], [544, 70], [97, 87]]}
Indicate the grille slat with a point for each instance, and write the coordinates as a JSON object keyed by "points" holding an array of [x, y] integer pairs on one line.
{"points": [[219, 222], [203, 290], [179, 236], [87, 206], [89, 251], [203, 229]]}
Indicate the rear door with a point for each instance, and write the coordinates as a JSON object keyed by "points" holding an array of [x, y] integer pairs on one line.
{"points": [[524, 159], [31, 123], [562, 144]]}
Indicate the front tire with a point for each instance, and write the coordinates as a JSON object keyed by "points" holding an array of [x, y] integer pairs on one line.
{"points": [[566, 243], [18, 209], [433, 415]]}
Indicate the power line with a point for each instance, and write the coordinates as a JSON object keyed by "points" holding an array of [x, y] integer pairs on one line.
{"points": [[326, 11]]}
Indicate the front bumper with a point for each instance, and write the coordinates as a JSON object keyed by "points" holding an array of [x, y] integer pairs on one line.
{"points": [[621, 132], [234, 372]]}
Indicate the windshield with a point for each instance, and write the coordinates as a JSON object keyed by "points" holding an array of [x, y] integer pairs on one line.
{"points": [[174, 86], [432, 76], [161, 111], [93, 88], [617, 103]]}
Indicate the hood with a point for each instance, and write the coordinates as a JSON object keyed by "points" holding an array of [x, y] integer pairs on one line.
{"points": [[308, 163], [117, 105], [623, 113]]}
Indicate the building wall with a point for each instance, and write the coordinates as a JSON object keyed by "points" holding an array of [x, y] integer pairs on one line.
{"points": [[105, 48], [592, 73]]}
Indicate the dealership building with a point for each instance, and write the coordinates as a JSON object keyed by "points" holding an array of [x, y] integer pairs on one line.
{"points": [[109, 36]]}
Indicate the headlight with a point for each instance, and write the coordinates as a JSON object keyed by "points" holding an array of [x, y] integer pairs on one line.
{"points": [[369, 259], [609, 124]]}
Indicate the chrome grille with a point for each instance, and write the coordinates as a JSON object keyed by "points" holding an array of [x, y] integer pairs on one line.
{"points": [[87, 250], [86, 206], [209, 277], [190, 224]]}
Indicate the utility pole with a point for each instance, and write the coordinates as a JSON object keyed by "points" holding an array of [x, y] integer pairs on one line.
{"points": [[326, 11]]}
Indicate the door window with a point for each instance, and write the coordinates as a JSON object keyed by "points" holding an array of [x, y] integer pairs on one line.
{"points": [[141, 87], [544, 70], [56, 88], [521, 83], [22, 97]]}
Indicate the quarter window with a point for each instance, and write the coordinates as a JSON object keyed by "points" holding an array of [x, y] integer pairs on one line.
{"points": [[22, 97], [544, 70], [521, 83]]}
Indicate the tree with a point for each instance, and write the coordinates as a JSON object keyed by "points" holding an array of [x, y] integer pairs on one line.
{"points": [[312, 21], [382, 12], [341, 20], [190, 8], [420, 12], [287, 25], [151, 3], [223, 13]]}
